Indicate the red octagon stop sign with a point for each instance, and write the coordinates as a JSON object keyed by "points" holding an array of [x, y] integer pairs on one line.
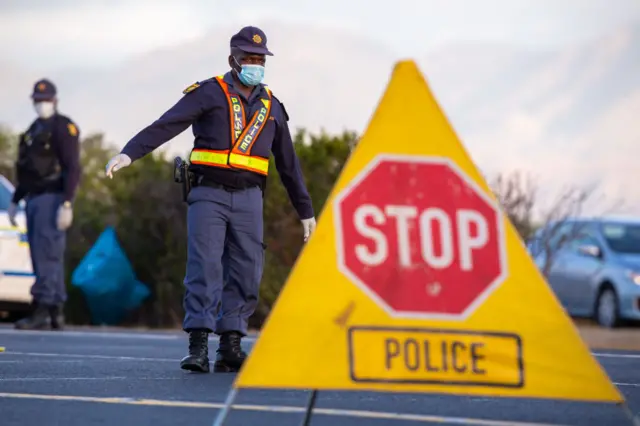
{"points": [[419, 237]]}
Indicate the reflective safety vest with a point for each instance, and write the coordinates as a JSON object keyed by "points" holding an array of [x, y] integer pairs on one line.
{"points": [[242, 137]]}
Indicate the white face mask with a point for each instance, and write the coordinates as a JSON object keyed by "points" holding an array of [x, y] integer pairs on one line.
{"points": [[45, 109]]}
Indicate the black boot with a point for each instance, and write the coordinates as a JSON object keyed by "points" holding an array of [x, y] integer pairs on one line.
{"points": [[56, 313], [198, 358], [229, 356], [38, 319]]}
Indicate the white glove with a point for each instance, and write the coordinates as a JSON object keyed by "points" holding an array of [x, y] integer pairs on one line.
{"points": [[309, 226], [65, 216], [11, 212], [116, 163]]}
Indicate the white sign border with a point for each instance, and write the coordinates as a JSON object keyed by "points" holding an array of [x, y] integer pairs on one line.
{"points": [[419, 159]]}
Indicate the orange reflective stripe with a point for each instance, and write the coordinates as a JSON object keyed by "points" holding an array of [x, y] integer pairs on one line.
{"points": [[236, 110], [242, 138], [253, 130]]}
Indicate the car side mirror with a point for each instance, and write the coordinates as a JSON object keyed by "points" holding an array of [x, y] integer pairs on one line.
{"points": [[590, 250]]}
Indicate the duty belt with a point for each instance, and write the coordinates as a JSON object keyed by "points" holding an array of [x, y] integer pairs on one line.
{"points": [[242, 138]]}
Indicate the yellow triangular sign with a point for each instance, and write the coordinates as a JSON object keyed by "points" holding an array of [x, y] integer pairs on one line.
{"points": [[414, 281]]}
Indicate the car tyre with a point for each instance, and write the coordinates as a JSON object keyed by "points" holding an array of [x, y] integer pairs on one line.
{"points": [[607, 310]]}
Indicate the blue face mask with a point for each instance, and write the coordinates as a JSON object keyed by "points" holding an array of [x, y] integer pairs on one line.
{"points": [[251, 75]]}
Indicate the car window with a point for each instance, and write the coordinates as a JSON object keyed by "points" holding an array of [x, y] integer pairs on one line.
{"points": [[5, 195], [622, 237], [533, 246], [584, 234], [569, 235], [554, 235], [583, 240]]}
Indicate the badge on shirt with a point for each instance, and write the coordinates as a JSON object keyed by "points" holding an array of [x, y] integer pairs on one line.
{"points": [[191, 88]]}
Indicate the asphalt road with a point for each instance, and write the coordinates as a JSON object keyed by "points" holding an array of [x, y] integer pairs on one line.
{"points": [[111, 378]]}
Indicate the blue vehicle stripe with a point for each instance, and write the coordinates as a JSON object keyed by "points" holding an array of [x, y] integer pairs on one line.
{"points": [[17, 274]]}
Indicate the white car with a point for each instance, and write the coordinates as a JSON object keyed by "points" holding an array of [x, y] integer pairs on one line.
{"points": [[16, 269]]}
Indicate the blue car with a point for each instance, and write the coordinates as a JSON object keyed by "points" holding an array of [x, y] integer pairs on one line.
{"points": [[593, 266]]}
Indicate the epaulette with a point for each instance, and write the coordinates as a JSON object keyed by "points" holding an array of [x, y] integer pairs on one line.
{"points": [[191, 88], [196, 85]]}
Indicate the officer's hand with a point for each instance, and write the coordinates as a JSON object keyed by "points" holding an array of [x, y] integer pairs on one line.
{"points": [[65, 216], [309, 226], [11, 212], [117, 163]]}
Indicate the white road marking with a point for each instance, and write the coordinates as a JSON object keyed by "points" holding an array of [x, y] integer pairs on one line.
{"points": [[81, 358], [133, 358], [279, 409], [637, 385], [105, 334], [180, 336], [23, 361], [110, 334], [44, 379], [110, 357], [609, 355]]}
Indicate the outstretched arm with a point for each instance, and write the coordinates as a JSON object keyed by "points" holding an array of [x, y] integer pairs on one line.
{"points": [[173, 122]]}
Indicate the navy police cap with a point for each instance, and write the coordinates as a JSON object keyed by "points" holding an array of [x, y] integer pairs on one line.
{"points": [[251, 40], [43, 90]]}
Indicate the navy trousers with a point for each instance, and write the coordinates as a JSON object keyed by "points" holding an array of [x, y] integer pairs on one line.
{"points": [[225, 257], [47, 245]]}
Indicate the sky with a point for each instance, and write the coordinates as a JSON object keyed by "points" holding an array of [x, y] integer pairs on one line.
{"points": [[45, 38], [68, 33]]}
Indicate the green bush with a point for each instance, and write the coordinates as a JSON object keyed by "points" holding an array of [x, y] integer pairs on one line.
{"points": [[145, 207]]}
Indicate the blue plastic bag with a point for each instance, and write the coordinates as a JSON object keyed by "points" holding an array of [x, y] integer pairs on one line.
{"points": [[108, 281]]}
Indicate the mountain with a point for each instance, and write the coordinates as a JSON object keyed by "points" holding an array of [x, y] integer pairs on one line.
{"points": [[566, 115]]}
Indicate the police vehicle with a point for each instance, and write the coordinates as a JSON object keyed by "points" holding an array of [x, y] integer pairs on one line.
{"points": [[16, 271]]}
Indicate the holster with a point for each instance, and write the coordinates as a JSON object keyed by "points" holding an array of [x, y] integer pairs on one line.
{"points": [[181, 174]]}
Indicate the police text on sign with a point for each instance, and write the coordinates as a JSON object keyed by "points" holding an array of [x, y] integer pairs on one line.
{"points": [[447, 357]]}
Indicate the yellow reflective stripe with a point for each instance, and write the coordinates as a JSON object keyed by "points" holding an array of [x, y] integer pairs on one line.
{"points": [[208, 157], [220, 159], [255, 163]]}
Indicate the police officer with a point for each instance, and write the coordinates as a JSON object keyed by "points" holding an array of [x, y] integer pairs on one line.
{"points": [[237, 121], [48, 173]]}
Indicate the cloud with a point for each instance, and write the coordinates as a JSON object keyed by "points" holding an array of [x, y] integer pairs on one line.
{"points": [[93, 33], [548, 112], [96, 33]]}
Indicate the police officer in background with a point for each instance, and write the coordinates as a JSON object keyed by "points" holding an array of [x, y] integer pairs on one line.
{"points": [[48, 173], [237, 122]]}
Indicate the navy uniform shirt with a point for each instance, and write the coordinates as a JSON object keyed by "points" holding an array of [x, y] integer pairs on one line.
{"points": [[206, 109], [66, 145]]}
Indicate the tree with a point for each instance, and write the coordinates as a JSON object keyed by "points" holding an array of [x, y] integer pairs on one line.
{"points": [[145, 207], [322, 158], [554, 229], [8, 152], [517, 197], [559, 229]]}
